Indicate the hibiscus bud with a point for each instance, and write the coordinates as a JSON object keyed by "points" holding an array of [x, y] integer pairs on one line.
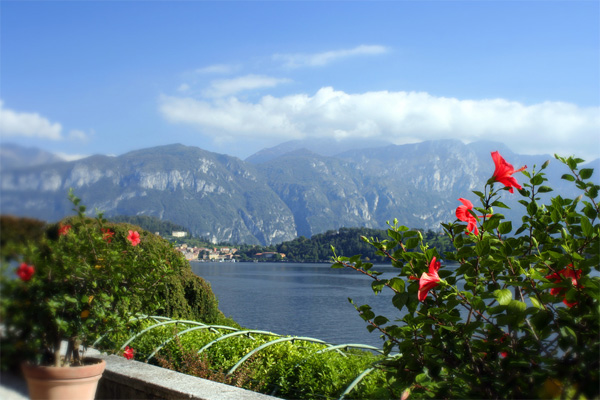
{"points": [[544, 165]]}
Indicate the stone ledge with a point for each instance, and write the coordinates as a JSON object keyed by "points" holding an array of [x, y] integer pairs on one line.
{"points": [[128, 379]]}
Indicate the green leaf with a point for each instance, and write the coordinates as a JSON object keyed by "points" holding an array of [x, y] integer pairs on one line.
{"points": [[590, 211], [412, 243], [586, 173], [482, 248], [355, 259], [422, 378], [499, 204], [397, 284], [586, 226], [503, 296], [566, 332], [544, 189], [536, 303], [568, 177], [399, 300], [377, 286], [505, 227], [537, 180], [70, 299], [492, 223], [532, 208], [517, 306]]}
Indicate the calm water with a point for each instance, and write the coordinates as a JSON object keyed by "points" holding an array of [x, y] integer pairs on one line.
{"points": [[298, 299]]}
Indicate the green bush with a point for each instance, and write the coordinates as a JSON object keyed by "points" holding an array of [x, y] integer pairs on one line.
{"points": [[289, 369], [181, 294], [188, 295], [515, 311]]}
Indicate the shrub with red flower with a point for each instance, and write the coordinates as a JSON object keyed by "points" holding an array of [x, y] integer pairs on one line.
{"points": [[63, 229], [25, 271], [128, 353], [504, 172], [464, 213], [107, 234], [567, 274], [134, 238], [83, 279], [429, 280], [515, 306]]}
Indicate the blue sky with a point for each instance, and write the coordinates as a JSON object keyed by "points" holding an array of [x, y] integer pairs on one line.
{"points": [[88, 77]]}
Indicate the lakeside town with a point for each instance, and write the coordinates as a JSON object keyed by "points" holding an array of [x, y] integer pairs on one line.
{"points": [[218, 253], [222, 254]]}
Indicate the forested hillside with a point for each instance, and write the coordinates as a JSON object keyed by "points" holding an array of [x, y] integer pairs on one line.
{"points": [[346, 241]]}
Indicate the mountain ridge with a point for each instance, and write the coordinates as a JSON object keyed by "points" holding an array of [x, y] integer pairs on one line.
{"points": [[297, 193]]}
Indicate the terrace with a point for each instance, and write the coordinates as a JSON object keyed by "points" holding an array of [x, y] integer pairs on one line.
{"points": [[128, 379]]}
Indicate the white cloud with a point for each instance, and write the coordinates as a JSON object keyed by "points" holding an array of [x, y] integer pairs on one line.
{"points": [[219, 69], [227, 87], [324, 58], [71, 157], [401, 117], [25, 124], [184, 87], [80, 135]]}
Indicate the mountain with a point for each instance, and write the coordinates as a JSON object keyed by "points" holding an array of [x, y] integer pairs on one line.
{"points": [[293, 192], [215, 196], [14, 156], [324, 147]]}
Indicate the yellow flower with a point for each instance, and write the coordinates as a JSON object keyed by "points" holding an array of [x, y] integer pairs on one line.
{"points": [[85, 313], [90, 298]]}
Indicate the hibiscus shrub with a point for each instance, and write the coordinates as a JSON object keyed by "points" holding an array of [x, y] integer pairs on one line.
{"points": [[513, 312], [77, 279]]}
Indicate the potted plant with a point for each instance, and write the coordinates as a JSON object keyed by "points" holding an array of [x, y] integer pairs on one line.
{"points": [[82, 279]]}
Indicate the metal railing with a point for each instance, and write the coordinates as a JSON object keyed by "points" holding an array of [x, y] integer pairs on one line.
{"points": [[224, 333]]}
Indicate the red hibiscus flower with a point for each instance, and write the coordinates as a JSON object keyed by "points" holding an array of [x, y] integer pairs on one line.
{"points": [[463, 214], [25, 271], [63, 229], [134, 238], [504, 171], [429, 280], [558, 277], [107, 234], [128, 353]]}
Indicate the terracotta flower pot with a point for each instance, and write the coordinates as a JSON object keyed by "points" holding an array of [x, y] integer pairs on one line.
{"points": [[64, 383]]}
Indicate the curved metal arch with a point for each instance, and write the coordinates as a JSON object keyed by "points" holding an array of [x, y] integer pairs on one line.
{"points": [[173, 321], [356, 381], [154, 317], [361, 376], [337, 348], [133, 319], [350, 345], [238, 333], [194, 328], [283, 339]]}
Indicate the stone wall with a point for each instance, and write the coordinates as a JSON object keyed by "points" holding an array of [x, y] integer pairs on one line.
{"points": [[128, 379]]}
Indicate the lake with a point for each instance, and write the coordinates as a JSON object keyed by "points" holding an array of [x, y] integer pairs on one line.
{"points": [[299, 299]]}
